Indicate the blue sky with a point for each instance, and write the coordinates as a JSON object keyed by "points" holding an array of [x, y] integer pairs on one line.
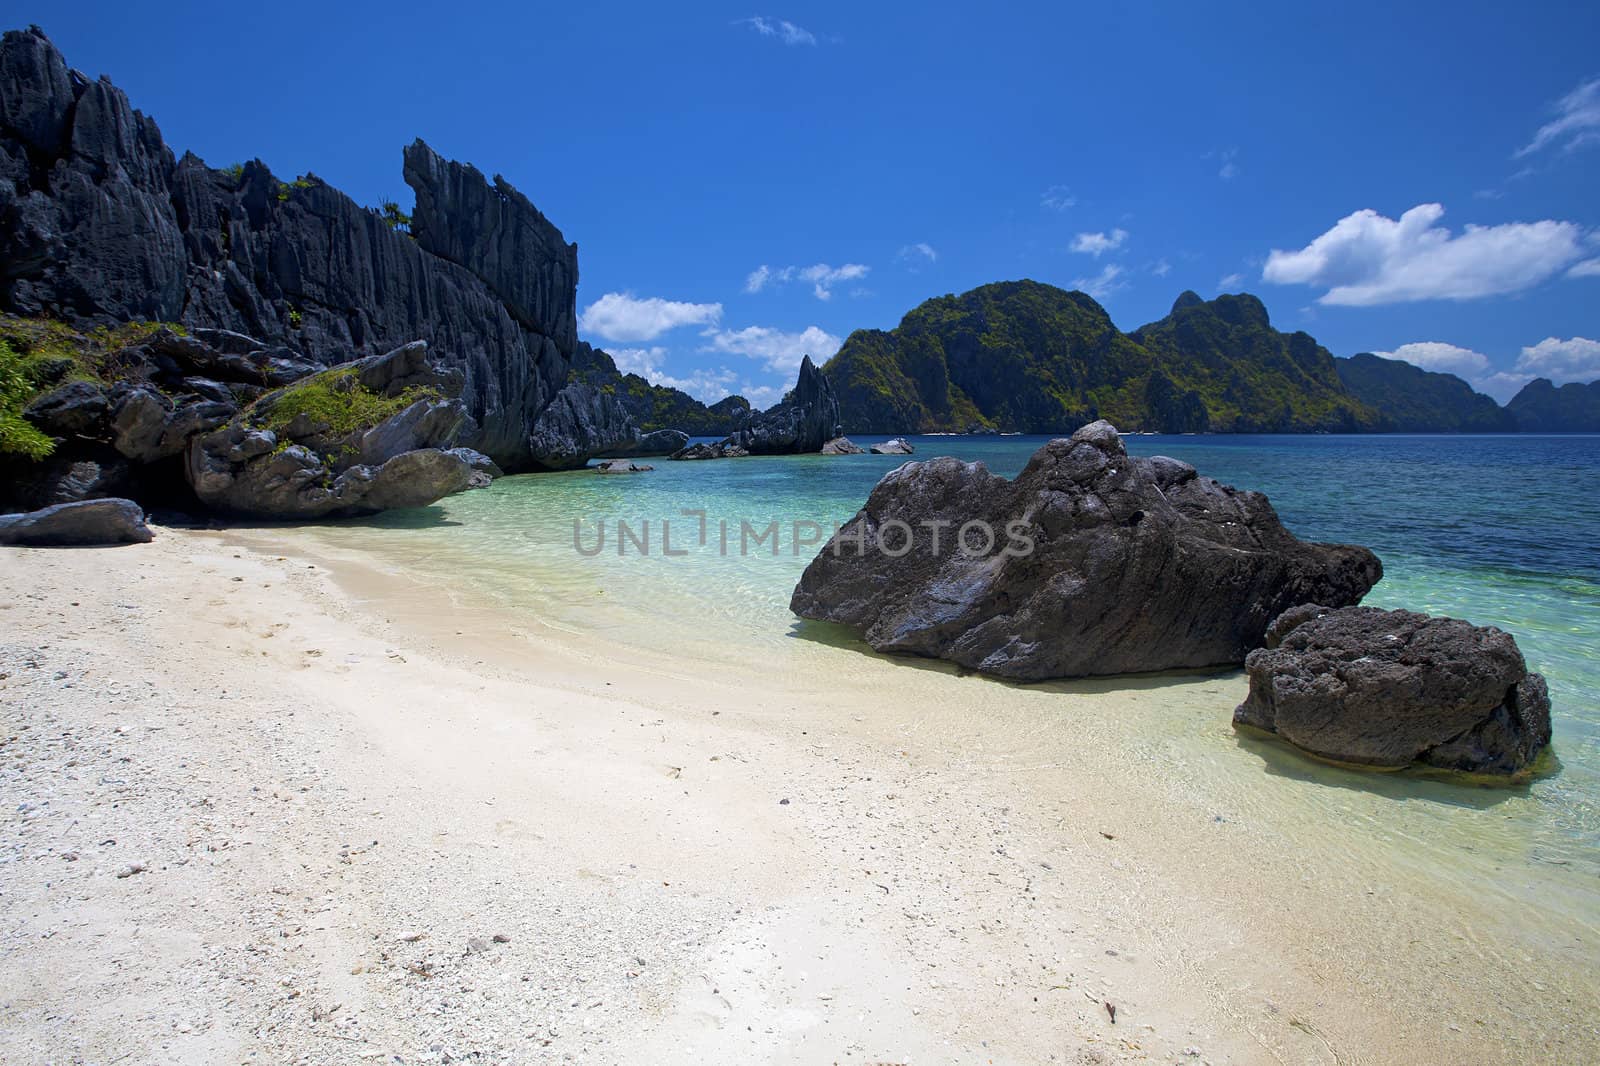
{"points": [[748, 184]]}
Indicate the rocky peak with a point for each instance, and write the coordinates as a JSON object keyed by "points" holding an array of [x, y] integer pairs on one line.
{"points": [[1186, 299], [497, 234], [100, 224]]}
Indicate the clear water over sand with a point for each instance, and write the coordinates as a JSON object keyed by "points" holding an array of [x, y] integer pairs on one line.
{"points": [[1500, 531]]}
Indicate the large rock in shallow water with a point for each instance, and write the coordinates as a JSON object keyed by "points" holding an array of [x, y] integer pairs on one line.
{"points": [[807, 418], [109, 521], [1391, 688], [1090, 562]]}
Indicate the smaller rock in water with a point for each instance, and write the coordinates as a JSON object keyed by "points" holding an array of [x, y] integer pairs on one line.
{"points": [[86, 522], [1387, 689], [897, 446], [621, 466], [720, 450], [842, 446]]}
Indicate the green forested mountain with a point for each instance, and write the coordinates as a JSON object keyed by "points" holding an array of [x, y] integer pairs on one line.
{"points": [[1250, 377], [1542, 408], [1412, 400], [657, 406], [1028, 357]]}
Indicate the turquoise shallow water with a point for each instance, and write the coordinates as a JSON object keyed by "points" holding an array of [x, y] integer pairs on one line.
{"points": [[1497, 530]]}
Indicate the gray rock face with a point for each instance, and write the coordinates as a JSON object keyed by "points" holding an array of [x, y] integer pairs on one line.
{"points": [[842, 446], [99, 223], [580, 423], [1392, 688], [1099, 563], [897, 446], [720, 450], [585, 422], [806, 420], [497, 234], [76, 409], [657, 442], [305, 469], [85, 522]]}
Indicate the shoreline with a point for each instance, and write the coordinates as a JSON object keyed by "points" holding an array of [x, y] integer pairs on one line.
{"points": [[964, 871]]}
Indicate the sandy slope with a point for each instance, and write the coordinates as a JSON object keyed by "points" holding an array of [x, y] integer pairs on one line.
{"points": [[255, 814]]}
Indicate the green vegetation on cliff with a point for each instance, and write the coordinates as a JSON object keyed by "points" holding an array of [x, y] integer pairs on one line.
{"points": [[1409, 399], [334, 400], [1542, 408], [38, 354], [1251, 377], [1027, 357]]}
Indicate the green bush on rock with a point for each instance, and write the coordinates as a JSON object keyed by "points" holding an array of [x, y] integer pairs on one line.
{"points": [[337, 400]]}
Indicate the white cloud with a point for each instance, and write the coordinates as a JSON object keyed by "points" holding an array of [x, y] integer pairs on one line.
{"points": [[1229, 281], [704, 383], [920, 250], [1577, 359], [821, 276], [1103, 284], [1227, 168], [775, 348], [1441, 357], [1058, 198], [1589, 268], [1577, 121], [1367, 259], [782, 29], [1161, 268], [762, 396], [1098, 244], [621, 316]]}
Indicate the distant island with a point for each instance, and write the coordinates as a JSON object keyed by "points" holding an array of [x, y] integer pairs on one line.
{"points": [[1023, 356]]}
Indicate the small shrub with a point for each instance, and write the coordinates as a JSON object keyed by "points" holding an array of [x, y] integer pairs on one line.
{"points": [[337, 400], [393, 217], [19, 383]]}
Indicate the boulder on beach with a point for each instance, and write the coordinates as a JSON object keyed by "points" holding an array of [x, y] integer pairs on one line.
{"points": [[84, 522], [1387, 689], [842, 446], [894, 446], [1089, 562]]}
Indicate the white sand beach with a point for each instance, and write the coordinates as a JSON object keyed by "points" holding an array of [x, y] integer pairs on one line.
{"points": [[268, 803]]}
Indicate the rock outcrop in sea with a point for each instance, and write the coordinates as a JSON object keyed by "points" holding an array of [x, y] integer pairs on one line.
{"points": [[101, 224], [894, 446], [1090, 562], [1391, 688], [585, 422], [804, 421]]}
